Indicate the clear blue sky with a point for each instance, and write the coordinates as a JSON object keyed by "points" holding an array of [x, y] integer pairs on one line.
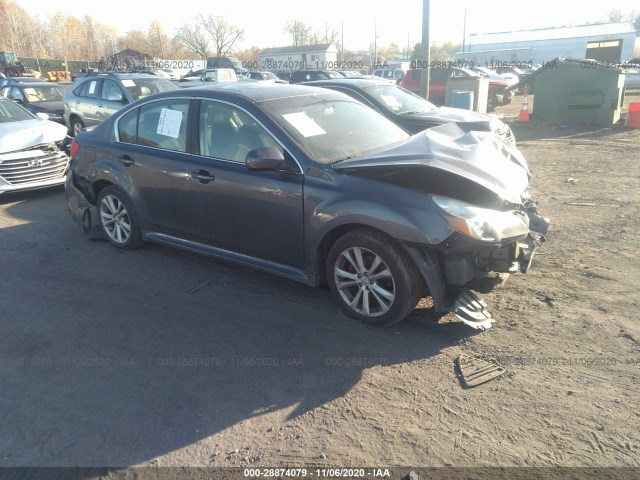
{"points": [[398, 21]]}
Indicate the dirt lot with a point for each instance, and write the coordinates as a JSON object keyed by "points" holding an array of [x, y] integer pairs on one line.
{"points": [[159, 357]]}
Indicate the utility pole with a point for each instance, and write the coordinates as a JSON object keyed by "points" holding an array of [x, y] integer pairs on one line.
{"points": [[408, 54], [375, 44], [342, 43], [464, 30], [424, 78]]}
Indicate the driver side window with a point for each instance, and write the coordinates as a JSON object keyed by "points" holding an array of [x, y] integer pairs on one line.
{"points": [[111, 91], [228, 133]]}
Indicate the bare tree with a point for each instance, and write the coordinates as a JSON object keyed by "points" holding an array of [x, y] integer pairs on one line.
{"points": [[223, 34], [301, 33], [615, 16], [14, 25], [193, 39], [158, 40]]}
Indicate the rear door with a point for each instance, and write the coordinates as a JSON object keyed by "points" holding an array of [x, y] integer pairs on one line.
{"points": [[86, 103], [152, 148]]}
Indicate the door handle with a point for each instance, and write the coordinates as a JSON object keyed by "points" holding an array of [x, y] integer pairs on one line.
{"points": [[126, 160], [202, 176]]}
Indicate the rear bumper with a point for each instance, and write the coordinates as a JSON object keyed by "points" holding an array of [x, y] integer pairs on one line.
{"points": [[83, 212]]}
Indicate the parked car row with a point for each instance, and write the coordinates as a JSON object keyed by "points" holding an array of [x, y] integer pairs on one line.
{"points": [[499, 91]]}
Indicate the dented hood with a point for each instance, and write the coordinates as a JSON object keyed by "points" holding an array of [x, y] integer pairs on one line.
{"points": [[449, 160], [28, 133]]}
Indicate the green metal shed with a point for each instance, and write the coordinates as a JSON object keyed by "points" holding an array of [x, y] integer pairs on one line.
{"points": [[572, 92]]}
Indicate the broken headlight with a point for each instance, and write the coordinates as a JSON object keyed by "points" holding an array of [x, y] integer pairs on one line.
{"points": [[481, 223]]}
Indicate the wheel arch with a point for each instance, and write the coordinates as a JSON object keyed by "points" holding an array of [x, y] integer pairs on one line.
{"points": [[330, 238]]}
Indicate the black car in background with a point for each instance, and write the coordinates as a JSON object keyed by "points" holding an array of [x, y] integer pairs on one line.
{"points": [[300, 76], [14, 80], [412, 112], [309, 184], [38, 97]]}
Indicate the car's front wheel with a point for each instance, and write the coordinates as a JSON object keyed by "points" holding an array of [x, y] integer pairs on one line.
{"points": [[372, 278], [117, 219]]}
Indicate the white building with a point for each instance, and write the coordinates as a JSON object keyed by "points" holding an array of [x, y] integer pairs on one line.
{"points": [[323, 56], [612, 42]]}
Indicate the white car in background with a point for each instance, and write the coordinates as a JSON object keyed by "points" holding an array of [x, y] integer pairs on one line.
{"points": [[31, 149], [170, 74], [632, 78], [510, 78]]}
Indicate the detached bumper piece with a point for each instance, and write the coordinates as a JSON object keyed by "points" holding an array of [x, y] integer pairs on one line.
{"points": [[475, 371], [469, 308]]}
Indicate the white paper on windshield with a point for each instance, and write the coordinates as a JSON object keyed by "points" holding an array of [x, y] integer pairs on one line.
{"points": [[92, 87], [304, 124], [29, 91], [169, 123], [128, 82], [391, 101]]}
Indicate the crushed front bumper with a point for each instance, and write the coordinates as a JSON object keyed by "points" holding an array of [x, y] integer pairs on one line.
{"points": [[460, 264]]}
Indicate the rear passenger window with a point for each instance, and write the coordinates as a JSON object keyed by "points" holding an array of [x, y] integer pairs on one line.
{"points": [[127, 127], [163, 124]]}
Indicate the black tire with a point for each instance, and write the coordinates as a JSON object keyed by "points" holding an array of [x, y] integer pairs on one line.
{"points": [[492, 102], [76, 126], [122, 229], [404, 282]]}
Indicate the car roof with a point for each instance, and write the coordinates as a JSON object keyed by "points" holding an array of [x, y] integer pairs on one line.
{"points": [[34, 84], [351, 81], [26, 79], [256, 92], [120, 75]]}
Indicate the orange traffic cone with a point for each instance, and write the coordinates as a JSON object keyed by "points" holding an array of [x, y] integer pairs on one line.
{"points": [[524, 111]]}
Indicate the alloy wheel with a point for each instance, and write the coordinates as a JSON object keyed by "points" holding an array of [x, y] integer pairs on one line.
{"points": [[115, 219], [364, 281]]}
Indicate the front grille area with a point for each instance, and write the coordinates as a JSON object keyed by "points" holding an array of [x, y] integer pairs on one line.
{"points": [[34, 164]]}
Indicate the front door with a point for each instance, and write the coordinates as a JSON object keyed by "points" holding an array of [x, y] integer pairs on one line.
{"points": [[258, 213]]}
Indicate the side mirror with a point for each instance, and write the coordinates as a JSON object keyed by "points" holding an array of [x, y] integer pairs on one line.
{"points": [[264, 158], [18, 101], [42, 116], [115, 97]]}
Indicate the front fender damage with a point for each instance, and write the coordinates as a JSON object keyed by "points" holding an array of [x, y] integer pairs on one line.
{"points": [[467, 306]]}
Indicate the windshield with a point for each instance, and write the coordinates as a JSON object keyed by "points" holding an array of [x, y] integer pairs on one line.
{"points": [[141, 87], [10, 112], [398, 100], [44, 93], [330, 130]]}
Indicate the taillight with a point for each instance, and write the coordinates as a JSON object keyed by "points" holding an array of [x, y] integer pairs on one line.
{"points": [[75, 148]]}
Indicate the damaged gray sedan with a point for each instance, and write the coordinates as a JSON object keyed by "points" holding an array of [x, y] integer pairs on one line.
{"points": [[310, 185]]}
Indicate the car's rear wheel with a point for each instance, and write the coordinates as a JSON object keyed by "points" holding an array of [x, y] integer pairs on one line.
{"points": [[372, 278], [492, 102], [76, 126], [117, 219]]}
